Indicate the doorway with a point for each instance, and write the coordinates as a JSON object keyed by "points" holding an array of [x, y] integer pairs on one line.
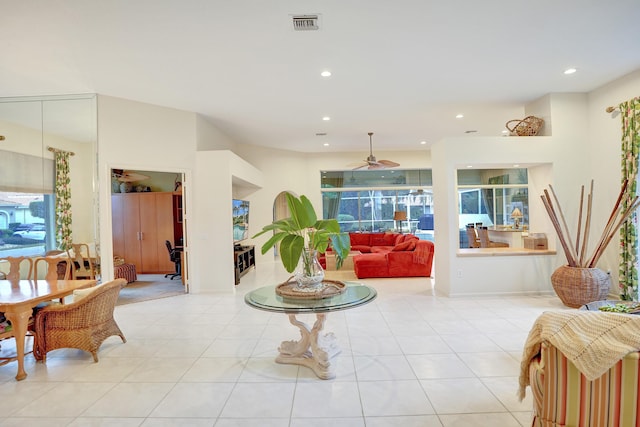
{"points": [[148, 231]]}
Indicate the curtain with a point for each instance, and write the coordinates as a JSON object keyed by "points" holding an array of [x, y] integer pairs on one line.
{"points": [[63, 200], [628, 274]]}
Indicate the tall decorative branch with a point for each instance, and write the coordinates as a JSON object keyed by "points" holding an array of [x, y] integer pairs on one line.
{"points": [[576, 257]]}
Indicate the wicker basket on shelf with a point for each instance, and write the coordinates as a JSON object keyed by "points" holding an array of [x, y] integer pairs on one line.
{"points": [[529, 126]]}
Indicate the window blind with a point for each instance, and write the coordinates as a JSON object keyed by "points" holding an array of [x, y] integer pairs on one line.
{"points": [[23, 173]]}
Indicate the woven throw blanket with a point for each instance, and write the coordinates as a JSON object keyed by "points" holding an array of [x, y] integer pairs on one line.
{"points": [[594, 341]]}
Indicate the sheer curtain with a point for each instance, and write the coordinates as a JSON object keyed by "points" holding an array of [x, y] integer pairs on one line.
{"points": [[628, 275]]}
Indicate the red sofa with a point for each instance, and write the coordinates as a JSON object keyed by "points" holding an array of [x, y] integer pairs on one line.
{"points": [[391, 255], [369, 242]]}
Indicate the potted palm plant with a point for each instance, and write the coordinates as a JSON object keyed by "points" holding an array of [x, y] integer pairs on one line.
{"points": [[302, 236]]}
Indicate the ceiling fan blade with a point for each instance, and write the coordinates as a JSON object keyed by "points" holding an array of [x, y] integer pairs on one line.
{"points": [[132, 177], [373, 166], [360, 167], [389, 163]]}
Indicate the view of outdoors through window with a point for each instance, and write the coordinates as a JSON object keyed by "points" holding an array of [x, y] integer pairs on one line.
{"points": [[493, 198], [26, 224], [370, 200]]}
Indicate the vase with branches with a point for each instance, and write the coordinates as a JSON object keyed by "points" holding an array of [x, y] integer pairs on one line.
{"points": [[580, 281]]}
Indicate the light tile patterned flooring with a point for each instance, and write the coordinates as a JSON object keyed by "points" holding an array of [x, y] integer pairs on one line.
{"points": [[409, 358]]}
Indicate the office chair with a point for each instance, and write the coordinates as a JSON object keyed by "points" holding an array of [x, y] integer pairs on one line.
{"points": [[174, 255]]}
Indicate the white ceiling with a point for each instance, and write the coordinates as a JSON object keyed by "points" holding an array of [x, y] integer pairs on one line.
{"points": [[401, 69]]}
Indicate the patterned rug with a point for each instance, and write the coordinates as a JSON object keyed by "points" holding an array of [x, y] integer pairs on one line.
{"points": [[145, 290]]}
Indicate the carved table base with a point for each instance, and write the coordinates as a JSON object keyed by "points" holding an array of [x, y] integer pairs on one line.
{"points": [[313, 350]]}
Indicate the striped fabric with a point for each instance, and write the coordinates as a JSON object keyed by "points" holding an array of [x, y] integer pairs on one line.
{"points": [[125, 271], [564, 397]]}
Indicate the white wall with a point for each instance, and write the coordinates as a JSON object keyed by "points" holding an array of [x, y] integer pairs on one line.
{"points": [[134, 135], [604, 144], [300, 174], [138, 136], [459, 275], [585, 144], [211, 231]]}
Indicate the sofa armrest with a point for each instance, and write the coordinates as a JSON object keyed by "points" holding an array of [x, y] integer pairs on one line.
{"points": [[566, 397]]}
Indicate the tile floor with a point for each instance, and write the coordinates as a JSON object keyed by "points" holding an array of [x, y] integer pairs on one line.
{"points": [[409, 358]]}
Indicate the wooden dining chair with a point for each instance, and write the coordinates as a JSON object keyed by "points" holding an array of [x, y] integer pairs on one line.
{"points": [[483, 234], [16, 265], [15, 268], [82, 265], [51, 264], [474, 242]]}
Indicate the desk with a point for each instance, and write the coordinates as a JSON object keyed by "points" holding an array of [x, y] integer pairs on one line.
{"points": [[512, 236], [313, 350], [19, 297]]}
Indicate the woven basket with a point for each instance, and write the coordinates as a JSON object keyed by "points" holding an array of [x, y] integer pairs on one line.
{"points": [[577, 286], [529, 126]]}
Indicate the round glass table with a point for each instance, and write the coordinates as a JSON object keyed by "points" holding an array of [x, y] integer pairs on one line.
{"points": [[314, 349]]}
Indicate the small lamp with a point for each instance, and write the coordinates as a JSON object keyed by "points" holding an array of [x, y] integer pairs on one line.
{"points": [[400, 216], [516, 215]]}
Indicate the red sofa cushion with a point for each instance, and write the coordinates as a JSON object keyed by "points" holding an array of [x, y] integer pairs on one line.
{"points": [[380, 239], [381, 249], [361, 248], [409, 245], [363, 239]]}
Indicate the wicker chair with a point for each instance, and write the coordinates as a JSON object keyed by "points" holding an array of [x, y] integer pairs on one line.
{"points": [[82, 324], [483, 235]]}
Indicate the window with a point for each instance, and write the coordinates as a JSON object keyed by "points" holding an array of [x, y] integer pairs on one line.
{"points": [[367, 200], [493, 197], [27, 227]]}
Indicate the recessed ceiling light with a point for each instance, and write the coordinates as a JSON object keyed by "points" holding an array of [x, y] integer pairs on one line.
{"points": [[423, 142], [326, 118], [469, 166], [505, 132], [326, 73], [570, 70], [516, 166], [326, 144], [459, 116]]}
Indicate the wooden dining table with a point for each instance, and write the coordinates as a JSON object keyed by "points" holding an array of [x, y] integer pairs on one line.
{"points": [[18, 299]]}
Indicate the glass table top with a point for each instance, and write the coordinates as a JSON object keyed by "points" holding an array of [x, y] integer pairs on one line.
{"points": [[265, 298]]}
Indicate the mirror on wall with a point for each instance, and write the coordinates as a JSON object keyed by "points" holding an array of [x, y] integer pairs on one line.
{"points": [[31, 129]]}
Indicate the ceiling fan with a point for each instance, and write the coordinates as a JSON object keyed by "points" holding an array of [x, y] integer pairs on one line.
{"points": [[371, 161], [126, 176]]}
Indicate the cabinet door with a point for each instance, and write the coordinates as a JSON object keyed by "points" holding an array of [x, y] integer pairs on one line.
{"points": [[149, 233], [165, 230], [131, 227], [117, 224]]}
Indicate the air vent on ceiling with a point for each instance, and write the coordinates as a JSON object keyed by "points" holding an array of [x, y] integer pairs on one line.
{"points": [[305, 23]]}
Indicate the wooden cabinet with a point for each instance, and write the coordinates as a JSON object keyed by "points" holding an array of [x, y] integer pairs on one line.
{"points": [[142, 222]]}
